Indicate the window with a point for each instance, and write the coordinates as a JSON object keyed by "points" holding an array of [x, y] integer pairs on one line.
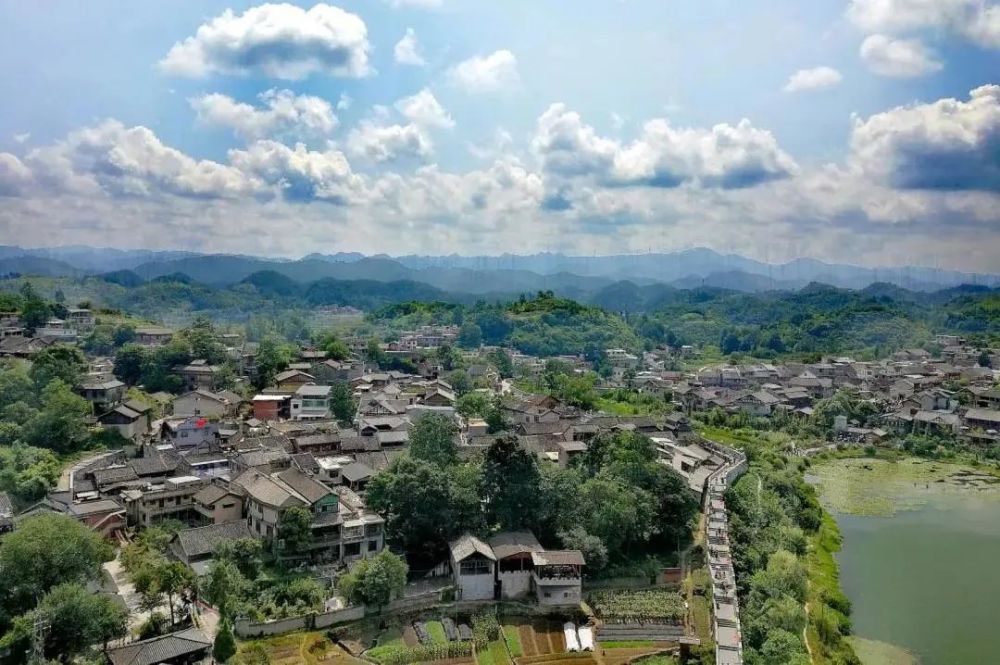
{"points": [[477, 566], [228, 505], [373, 546], [352, 549]]}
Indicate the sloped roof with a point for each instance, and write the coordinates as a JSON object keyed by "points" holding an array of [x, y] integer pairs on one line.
{"points": [[310, 489], [510, 543], [203, 540], [467, 545], [160, 649], [558, 558]]}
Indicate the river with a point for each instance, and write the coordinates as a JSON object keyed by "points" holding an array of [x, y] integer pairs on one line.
{"points": [[921, 548]]}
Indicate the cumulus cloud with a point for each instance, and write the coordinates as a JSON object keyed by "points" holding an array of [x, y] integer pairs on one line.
{"points": [[486, 74], [14, 175], [284, 113], [816, 78], [898, 58], [275, 40], [378, 142], [407, 50], [946, 145], [302, 175], [132, 161], [976, 20], [424, 109], [662, 156]]}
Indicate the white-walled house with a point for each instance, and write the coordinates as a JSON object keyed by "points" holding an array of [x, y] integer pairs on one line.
{"points": [[513, 550], [473, 566]]}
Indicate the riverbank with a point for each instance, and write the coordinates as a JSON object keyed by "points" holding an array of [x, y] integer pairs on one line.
{"points": [[917, 536]]}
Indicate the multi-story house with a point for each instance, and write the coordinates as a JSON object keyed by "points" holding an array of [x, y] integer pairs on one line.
{"points": [[311, 403], [173, 500]]}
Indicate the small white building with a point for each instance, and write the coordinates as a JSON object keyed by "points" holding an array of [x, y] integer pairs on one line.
{"points": [[311, 402], [513, 550], [557, 577], [473, 567]]}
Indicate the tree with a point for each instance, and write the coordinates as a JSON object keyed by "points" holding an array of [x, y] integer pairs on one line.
{"points": [[414, 498], [34, 311], [375, 581], [617, 513], [432, 439], [48, 550], [342, 403], [60, 361], [985, 360], [295, 529], [496, 417], [225, 586], [78, 619], [172, 579], [272, 357], [470, 336], [224, 647], [510, 485], [474, 404], [594, 551], [129, 363], [245, 553], [501, 360], [60, 425], [376, 355], [336, 350]]}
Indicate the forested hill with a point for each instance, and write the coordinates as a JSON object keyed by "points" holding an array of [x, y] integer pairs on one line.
{"points": [[815, 319]]}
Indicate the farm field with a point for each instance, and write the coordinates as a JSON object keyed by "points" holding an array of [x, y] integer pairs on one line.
{"points": [[303, 648]]}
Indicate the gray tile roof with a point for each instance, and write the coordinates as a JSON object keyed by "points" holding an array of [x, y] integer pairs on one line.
{"points": [[161, 649], [194, 543], [467, 545], [509, 543]]}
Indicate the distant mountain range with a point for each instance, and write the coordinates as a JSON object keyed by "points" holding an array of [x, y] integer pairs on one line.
{"points": [[578, 277]]}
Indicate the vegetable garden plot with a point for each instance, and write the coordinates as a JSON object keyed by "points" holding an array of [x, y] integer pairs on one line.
{"points": [[652, 606]]}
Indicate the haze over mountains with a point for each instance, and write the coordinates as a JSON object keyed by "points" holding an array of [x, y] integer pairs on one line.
{"points": [[572, 276]]}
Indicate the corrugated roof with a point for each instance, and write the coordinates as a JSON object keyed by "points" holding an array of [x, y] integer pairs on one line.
{"points": [[467, 545]]}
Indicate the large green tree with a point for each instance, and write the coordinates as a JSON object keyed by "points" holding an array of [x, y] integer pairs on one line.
{"points": [[60, 424], [295, 529], [375, 581], [60, 361], [432, 439], [45, 551], [510, 485]]}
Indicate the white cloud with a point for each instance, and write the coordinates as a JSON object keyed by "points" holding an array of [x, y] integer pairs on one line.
{"points": [[618, 121], [424, 109], [275, 40], [22, 137], [300, 174], [485, 74], [662, 156], [407, 50], [898, 58], [945, 145], [14, 175], [378, 142], [344, 102], [284, 113], [976, 20], [816, 78], [132, 161]]}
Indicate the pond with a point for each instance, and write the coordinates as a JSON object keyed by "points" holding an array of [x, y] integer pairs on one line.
{"points": [[921, 543]]}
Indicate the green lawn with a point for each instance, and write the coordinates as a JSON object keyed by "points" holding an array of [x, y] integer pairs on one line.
{"points": [[436, 631], [513, 641], [628, 644]]}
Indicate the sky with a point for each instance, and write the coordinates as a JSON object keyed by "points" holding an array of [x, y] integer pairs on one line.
{"points": [[857, 131]]}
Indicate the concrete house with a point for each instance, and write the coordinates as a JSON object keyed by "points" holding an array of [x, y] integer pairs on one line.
{"points": [[199, 374], [218, 504], [195, 547], [103, 394], [514, 567], [130, 419], [473, 567], [311, 403], [557, 577], [202, 402]]}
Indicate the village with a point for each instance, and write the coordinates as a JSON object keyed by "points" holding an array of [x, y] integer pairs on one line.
{"points": [[223, 463]]}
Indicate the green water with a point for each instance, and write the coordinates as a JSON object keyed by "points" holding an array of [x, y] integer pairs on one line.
{"points": [[927, 579]]}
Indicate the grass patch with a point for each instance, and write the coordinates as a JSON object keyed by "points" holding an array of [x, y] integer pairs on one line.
{"points": [[513, 641], [436, 632], [657, 659], [494, 654], [311, 648], [828, 606]]}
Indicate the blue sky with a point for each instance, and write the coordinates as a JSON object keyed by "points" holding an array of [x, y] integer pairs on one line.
{"points": [[587, 126]]}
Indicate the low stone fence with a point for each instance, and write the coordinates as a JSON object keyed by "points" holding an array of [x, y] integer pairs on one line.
{"points": [[247, 628]]}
